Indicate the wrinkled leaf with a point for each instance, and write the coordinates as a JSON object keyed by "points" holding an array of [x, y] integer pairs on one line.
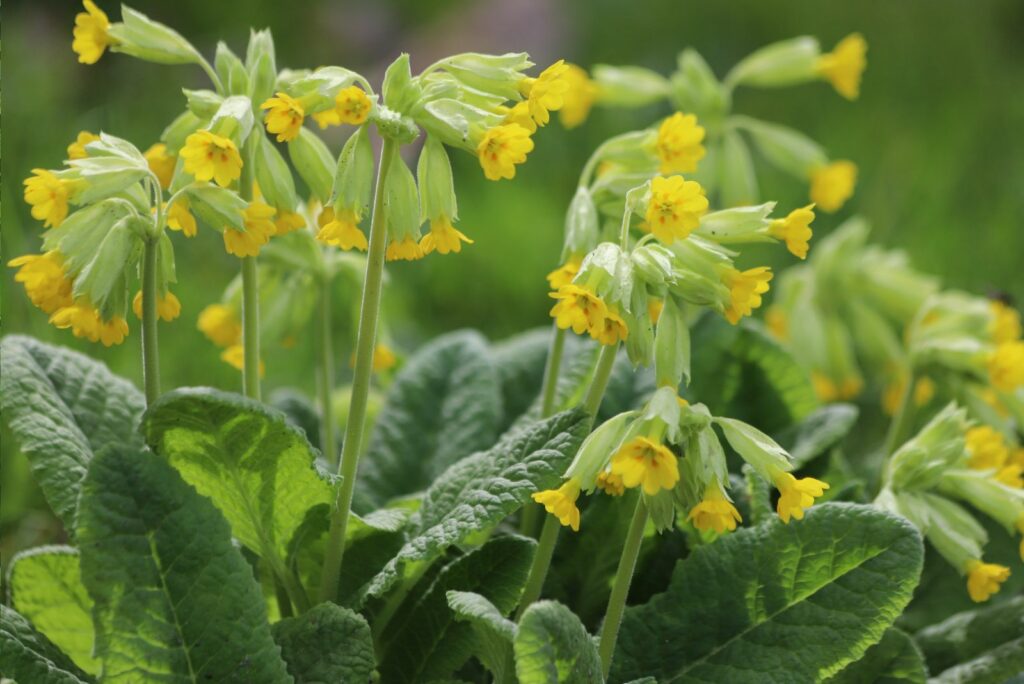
{"points": [[28, 656], [893, 660], [494, 632], [818, 432], [983, 645], [553, 647], [327, 644]]}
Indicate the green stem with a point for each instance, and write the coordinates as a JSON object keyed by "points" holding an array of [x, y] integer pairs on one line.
{"points": [[327, 445], [620, 586], [599, 384], [541, 563], [250, 328], [901, 422], [365, 341], [150, 351]]}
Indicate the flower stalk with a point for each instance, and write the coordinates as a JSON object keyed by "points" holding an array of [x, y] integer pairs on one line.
{"points": [[150, 350], [620, 586], [326, 369]]}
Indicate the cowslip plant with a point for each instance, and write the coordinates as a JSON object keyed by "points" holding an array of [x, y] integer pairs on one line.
{"points": [[722, 536]]}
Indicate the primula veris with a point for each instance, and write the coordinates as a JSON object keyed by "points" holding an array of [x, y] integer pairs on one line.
{"points": [[220, 324], [985, 579], [828, 389], [443, 237], [288, 222], [986, 448], [655, 305], [561, 503], [892, 395], [645, 463], [675, 207], [90, 35], [501, 148], [844, 66], [1011, 475], [796, 495], [76, 150], [85, 321], [795, 230], [46, 284], [612, 330], [167, 307], [48, 196], [234, 356], [161, 163], [546, 93], [284, 116], [714, 512], [519, 114], [832, 184], [578, 308], [579, 96], [1006, 366], [341, 229], [209, 156], [383, 358], [610, 483], [1006, 326], [745, 290], [259, 227], [564, 274], [351, 106], [181, 219], [406, 249], [679, 144]]}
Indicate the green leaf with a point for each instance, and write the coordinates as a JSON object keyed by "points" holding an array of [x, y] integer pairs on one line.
{"points": [[494, 632], [552, 646], [62, 408], [28, 656], [174, 599], [426, 641], [444, 405], [520, 361], [299, 411], [477, 493], [247, 458], [818, 432], [892, 660], [742, 372], [327, 644], [46, 588], [776, 602], [983, 645]]}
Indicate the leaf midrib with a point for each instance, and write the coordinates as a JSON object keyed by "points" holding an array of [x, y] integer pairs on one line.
{"points": [[170, 604]]}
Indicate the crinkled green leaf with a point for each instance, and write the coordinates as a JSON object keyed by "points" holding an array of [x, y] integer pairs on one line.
{"points": [[478, 492], [552, 647], [46, 587], [174, 599], [426, 641], [818, 432], [983, 645], [628, 388], [63, 407], [247, 458], [299, 411], [520, 361], [325, 645], [444, 405], [29, 657], [776, 602], [494, 632], [895, 659]]}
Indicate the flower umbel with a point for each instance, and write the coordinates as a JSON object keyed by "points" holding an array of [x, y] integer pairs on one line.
{"points": [[501, 148], [845, 64], [645, 463], [745, 290], [561, 503], [795, 230], [679, 143], [984, 579], [832, 184], [675, 207], [90, 33], [796, 495], [209, 156], [284, 116]]}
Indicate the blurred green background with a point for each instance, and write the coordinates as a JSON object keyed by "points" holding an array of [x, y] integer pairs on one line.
{"points": [[937, 134]]}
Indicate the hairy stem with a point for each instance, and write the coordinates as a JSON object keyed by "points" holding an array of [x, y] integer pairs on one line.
{"points": [[150, 351], [365, 341], [250, 329], [620, 586], [326, 368]]}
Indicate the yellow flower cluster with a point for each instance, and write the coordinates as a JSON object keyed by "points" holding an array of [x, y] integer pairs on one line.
{"points": [[646, 463], [259, 227], [209, 156], [582, 310], [987, 449], [745, 290], [85, 321], [983, 579], [675, 208], [679, 143], [48, 196]]}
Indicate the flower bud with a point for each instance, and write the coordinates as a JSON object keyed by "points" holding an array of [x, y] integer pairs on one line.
{"points": [[274, 176], [738, 225], [788, 149], [784, 63], [313, 162], [695, 89], [582, 225], [113, 257], [652, 262], [353, 179], [497, 74], [403, 203], [183, 126], [437, 188], [234, 119], [737, 179], [597, 449], [457, 123], [216, 206], [230, 70], [952, 530], [1003, 504], [629, 86], [755, 447], [399, 91], [921, 462], [78, 236], [672, 346], [261, 63], [204, 104], [141, 37]]}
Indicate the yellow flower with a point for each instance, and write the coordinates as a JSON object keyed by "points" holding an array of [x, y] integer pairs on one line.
{"points": [[383, 358], [987, 448], [675, 207], [519, 113], [341, 229], [777, 322], [845, 64], [610, 483], [832, 184], [1006, 366], [714, 512], [259, 227], [646, 463], [1005, 322], [85, 322], [655, 305], [48, 196], [443, 237], [501, 148], [547, 92], [351, 106], [745, 290], [288, 221], [561, 503], [564, 274], [924, 390], [179, 218], [795, 230], [76, 150], [679, 143], [579, 97], [209, 156], [578, 308], [167, 307], [46, 284], [406, 249], [1011, 475], [90, 33], [796, 495], [983, 579], [234, 356], [220, 325], [612, 330], [284, 116], [162, 163]]}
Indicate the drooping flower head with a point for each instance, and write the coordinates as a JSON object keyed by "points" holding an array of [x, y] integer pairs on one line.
{"points": [[795, 230], [45, 281], [91, 37], [48, 196], [288, 222], [561, 503], [443, 237], [714, 511], [404, 249], [284, 116], [986, 448], [209, 156], [796, 495], [220, 325], [745, 290], [161, 162], [679, 143], [675, 207], [610, 483], [579, 97], [984, 579], [1006, 366], [844, 66], [341, 229], [645, 463], [168, 307], [76, 150], [180, 218], [612, 330], [547, 92], [85, 321], [501, 148], [564, 274], [832, 184], [578, 308], [259, 227]]}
